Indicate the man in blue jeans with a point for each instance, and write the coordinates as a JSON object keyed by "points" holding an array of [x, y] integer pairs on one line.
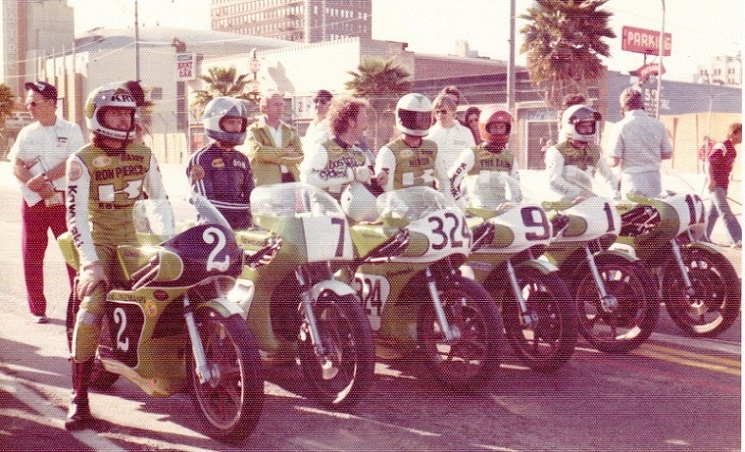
{"points": [[721, 160]]}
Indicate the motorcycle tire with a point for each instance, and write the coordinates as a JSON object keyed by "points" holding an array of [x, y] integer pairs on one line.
{"points": [[715, 302], [624, 327], [548, 341], [230, 407], [344, 374], [470, 360]]}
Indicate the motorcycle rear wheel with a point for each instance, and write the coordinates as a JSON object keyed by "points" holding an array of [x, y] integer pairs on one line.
{"points": [[626, 326], [228, 407], [472, 359], [343, 376], [715, 303], [548, 342]]}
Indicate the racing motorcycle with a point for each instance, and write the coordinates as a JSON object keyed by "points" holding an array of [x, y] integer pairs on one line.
{"points": [[295, 306], [170, 326], [615, 295], [698, 284], [406, 273], [540, 320]]}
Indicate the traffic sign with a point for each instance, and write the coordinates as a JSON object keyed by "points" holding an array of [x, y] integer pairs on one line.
{"points": [[645, 41]]}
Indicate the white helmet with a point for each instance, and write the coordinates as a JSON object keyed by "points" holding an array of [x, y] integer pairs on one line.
{"points": [[414, 114], [358, 202], [220, 108], [575, 115], [108, 96]]}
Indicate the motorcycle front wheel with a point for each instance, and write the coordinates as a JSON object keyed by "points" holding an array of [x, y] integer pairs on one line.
{"points": [[230, 403], [714, 302], [627, 316], [546, 341], [343, 373], [472, 357]]}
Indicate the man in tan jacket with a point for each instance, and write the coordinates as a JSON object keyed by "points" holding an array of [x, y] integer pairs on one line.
{"points": [[274, 147]]}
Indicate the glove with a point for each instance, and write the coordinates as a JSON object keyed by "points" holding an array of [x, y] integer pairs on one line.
{"points": [[90, 278], [362, 174]]}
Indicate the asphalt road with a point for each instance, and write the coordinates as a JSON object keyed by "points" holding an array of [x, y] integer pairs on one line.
{"points": [[673, 393]]}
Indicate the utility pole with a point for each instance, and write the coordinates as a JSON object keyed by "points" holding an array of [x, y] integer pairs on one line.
{"points": [[661, 53], [137, 44], [511, 63]]}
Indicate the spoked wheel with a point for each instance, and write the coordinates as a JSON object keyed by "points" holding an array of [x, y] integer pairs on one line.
{"points": [[713, 304], [230, 402], [342, 374], [545, 340], [473, 355], [627, 316]]}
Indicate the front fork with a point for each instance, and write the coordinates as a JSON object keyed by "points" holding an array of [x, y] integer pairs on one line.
{"points": [[681, 266], [608, 302], [328, 370], [527, 318], [203, 370], [451, 333]]}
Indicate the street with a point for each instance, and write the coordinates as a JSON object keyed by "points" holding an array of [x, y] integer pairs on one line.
{"points": [[673, 393]]}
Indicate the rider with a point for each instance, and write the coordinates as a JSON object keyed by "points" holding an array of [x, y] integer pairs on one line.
{"points": [[482, 164], [571, 163], [410, 160], [336, 162], [104, 179], [218, 171]]}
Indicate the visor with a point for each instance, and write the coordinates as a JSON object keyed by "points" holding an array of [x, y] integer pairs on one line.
{"points": [[415, 120]]}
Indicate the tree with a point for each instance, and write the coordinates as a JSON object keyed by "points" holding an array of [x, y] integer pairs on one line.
{"points": [[564, 42], [382, 83], [7, 100], [223, 82]]}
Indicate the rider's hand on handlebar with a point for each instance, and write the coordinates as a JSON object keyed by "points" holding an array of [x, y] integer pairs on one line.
{"points": [[382, 178], [362, 174], [90, 278]]}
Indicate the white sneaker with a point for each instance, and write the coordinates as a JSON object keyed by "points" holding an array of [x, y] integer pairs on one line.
{"points": [[41, 319]]}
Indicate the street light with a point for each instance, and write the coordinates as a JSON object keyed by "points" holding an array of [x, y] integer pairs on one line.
{"points": [[661, 53]]}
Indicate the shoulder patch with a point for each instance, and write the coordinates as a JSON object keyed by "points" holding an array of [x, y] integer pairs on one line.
{"points": [[75, 171], [218, 163], [196, 173]]}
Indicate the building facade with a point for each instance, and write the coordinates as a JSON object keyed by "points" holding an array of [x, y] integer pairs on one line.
{"points": [[294, 20], [31, 31], [722, 70]]}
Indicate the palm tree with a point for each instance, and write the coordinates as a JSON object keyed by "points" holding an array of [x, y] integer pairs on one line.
{"points": [[564, 42], [382, 83], [222, 82], [7, 100]]}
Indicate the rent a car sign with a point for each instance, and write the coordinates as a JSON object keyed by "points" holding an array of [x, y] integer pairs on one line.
{"points": [[640, 40]]}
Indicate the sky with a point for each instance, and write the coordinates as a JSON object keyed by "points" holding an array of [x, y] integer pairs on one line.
{"points": [[700, 29]]}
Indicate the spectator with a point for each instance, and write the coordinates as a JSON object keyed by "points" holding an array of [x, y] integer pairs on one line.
{"points": [[218, 171], [453, 91], [471, 120], [318, 129], [638, 144], [38, 158], [451, 137], [275, 150], [721, 160]]}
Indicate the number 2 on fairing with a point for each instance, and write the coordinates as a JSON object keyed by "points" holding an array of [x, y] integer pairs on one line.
{"points": [[216, 236], [120, 318]]}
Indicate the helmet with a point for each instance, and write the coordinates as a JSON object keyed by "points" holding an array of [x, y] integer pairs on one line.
{"points": [[575, 115], [108, 96], [495, 114], [359, 203], [220, 108], [414, 114]]}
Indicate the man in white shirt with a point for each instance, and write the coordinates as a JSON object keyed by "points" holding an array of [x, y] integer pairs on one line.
{"points": [[318, 129], [638, 144], [38, 156], [450, 136]]}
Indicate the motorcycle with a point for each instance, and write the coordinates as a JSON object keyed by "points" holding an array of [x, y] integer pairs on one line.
{"points": [[406, 273], [615, 295], [170, 326], [698, 284], [294, 305], [540, 320]]}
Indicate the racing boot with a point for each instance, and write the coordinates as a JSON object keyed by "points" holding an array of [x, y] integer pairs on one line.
{"points": [[79, 414]]}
